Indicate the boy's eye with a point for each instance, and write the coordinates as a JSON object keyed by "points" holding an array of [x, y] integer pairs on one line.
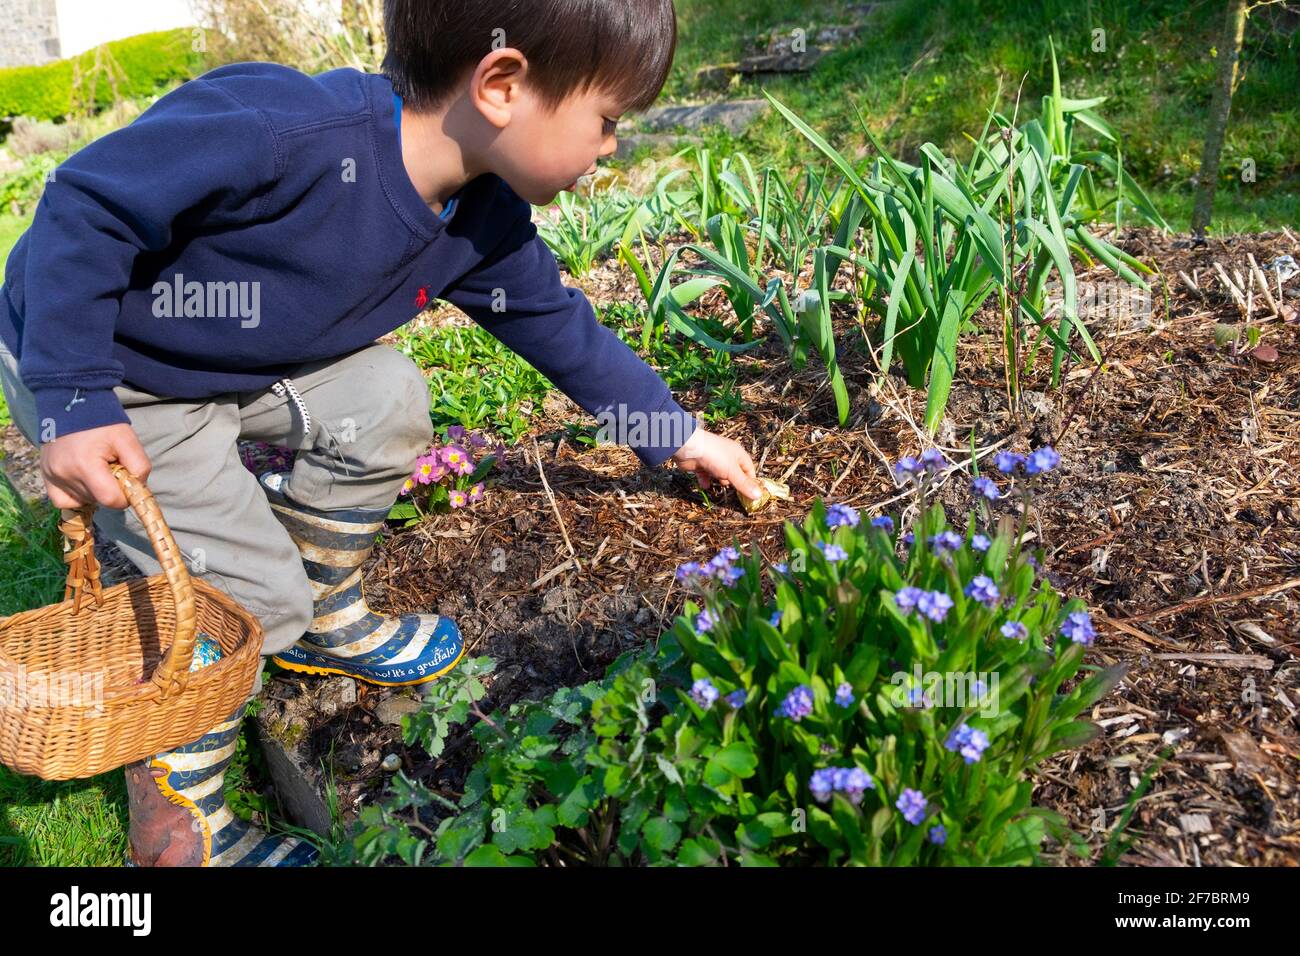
{"points": [[610, 126]]}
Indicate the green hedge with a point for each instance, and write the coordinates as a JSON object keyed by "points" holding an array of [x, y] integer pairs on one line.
{"points": [[148, 61]]}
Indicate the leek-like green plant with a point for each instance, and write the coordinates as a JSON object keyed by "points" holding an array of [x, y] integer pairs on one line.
{"points": [[936, 250], [586, 228]]}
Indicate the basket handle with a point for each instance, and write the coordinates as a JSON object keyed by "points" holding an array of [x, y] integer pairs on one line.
{"points": [[172, 672]]}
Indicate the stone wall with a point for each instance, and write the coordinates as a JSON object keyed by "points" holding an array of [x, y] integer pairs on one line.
{"points": [[29, 32]]}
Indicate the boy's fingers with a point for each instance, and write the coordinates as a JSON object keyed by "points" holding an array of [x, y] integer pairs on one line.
{"points": [[103, 487], [60, 498], [133, 459], [748, 475], [744, 478]]}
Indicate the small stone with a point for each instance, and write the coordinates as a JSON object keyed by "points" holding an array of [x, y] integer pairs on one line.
{"points": [[561, 601], [336, 694], [629, 144], [392, 763], [781, 62], [735, 115], [391, 710]]}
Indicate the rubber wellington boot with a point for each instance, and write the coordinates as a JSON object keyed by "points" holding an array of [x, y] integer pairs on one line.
{"points": [[179, 815], [345, 636]]}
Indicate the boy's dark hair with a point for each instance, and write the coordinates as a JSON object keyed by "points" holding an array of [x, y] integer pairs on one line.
{"points": [[623, 47]]}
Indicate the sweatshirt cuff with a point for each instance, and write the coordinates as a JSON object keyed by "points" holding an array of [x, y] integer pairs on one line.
{"points": [[62, 411], [654, 436]]}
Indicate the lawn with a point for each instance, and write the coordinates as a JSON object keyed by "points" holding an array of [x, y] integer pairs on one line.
{"points": [[11, 228]]}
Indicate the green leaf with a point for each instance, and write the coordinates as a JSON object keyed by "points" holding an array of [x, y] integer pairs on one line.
{"points": [[698, 852], [684, 293], [402, 510], [896, 299], [754, 834], [1072, 735], [486, 855], [944, 364], [661, 834], [668, 770], [849, 819], [1092, 690], [823, 828], [734, 760], [1103, 252]]}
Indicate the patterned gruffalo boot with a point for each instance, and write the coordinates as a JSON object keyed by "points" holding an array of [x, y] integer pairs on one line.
{"points": [[345, 636], [179, 815]]}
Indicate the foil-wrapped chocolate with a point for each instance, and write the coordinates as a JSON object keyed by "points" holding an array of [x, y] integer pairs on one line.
{"points": [[770, 489]]}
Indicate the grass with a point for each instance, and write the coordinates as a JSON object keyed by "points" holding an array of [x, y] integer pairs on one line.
{"points": [[31, 563], [1237, 208], [926, 70], [477, 382], [11, 228], [681, 362], [65, 823]]}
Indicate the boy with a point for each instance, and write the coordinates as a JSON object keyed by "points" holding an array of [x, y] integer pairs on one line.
{"points": [[220, 270]]}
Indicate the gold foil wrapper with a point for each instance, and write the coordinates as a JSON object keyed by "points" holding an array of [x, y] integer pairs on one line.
{"points": [[771, 489]]}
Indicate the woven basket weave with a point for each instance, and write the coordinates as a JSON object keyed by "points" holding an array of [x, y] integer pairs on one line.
{"points": [[88, 685]]}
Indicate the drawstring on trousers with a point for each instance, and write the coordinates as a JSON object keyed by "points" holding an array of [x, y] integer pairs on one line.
{"points": [[286, 385]]}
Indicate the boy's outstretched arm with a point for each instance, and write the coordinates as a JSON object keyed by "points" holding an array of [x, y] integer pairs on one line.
{"points": [[516, 294]]}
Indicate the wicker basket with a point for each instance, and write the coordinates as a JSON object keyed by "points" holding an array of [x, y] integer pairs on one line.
{"points": [[85, 689]]}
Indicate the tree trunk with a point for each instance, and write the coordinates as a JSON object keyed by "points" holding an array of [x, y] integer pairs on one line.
{"points": [[1234, 30]]}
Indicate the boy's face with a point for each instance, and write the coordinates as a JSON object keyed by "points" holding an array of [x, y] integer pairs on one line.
{"points": [[540, 154]]}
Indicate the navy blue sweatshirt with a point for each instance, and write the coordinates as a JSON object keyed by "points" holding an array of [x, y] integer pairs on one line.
{"points": [[257, 218]]}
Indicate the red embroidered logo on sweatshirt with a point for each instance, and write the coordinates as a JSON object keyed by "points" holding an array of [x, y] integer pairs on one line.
{"points": [[422, 297]]}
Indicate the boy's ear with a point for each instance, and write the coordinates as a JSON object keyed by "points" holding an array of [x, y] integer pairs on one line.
{"points": [[496, 85]]}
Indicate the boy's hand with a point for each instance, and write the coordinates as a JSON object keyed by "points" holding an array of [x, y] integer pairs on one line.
{"points": [[76, 466], [714, 458]]}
